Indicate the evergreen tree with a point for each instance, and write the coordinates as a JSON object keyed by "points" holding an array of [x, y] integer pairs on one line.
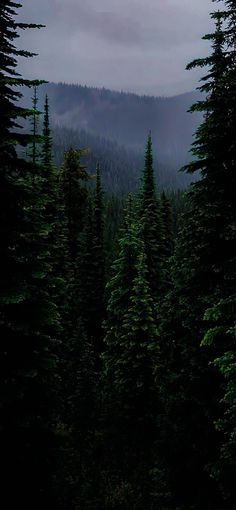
{"points": [[221, 334], [150, 219], [28, 316], [47, 139], [76, 352], [130, 359], [167, 222], [92, 270], [220, 181], [73, 174], [119, 289], [168, 241], [203, 275], [74, 202], [53, 210], [34, 152], [114, 209]]}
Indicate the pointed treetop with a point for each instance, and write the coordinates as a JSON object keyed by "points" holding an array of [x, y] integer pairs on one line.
{"points": [[47, 140], [36, 138], [148, 175]]}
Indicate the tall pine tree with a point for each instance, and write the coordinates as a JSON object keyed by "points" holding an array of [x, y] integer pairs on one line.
{"points": [[92, 270], [28, 317], [130, 361], [151, 222], [220, 318], [203, 274]]}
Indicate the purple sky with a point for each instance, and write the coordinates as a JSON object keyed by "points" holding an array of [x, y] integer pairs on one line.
{"points": [[137, 45]]}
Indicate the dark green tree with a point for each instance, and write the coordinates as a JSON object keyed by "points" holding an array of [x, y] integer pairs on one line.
{"points": [[92, 270], [36, 139], [167, 223], [151, 222], [219, 182], [74, 196], [221, 333], [73, 177], [220, 317], [113, 212], [28, 317], [204, 274], [76, 351], [53, 210], [47, 161], [130, 361]]}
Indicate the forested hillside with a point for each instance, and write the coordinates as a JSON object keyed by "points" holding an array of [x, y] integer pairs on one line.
{"points": [[117, 310], [126, 118], [118, 123], [121, 166]]}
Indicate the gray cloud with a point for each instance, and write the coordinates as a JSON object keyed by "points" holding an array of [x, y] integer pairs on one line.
{"points": [[107, 25], [140, 45]]}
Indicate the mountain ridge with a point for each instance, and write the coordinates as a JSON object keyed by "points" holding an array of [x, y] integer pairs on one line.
{"points": [[125, 119]]}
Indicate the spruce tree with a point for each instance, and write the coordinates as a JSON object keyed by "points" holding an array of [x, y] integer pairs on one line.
{"points": [[97, 303], [204, 274], [53, 209], [74, 196], [151, 222], [92, 270], [28, 316], [220, 317], [76, 351], [34, 149], [121, 281], [73, 176], [47, 139], [130, 360], [221, 333], [73, 208], [167, 223], [114, 208]]}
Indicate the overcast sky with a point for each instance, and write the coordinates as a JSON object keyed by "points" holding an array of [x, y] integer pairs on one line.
{"points": [[137, 45]]}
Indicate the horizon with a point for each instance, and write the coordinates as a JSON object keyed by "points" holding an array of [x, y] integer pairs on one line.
{"points": [[120, 91]]}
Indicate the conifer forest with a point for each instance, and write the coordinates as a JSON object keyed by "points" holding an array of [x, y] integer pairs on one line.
{"points": [[117, 301]]}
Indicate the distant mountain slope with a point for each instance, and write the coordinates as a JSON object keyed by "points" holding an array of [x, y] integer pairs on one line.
{"points": [[121, 167], [124, 120]]}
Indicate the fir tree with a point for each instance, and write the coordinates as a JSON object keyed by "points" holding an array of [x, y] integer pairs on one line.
{"points": [[73, 207], [130, 360], [53, 210], [47, 139], [120, 285], [150, 218], [92, 270], [28, 316], [219, 184], [73, 174], [220, 317], [34, 150], [167, 222], [203, 275], [76, 351], [221, 334], [97, 303]]}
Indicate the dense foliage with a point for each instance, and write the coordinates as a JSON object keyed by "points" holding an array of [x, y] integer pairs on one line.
{"points": [[117, 315]]}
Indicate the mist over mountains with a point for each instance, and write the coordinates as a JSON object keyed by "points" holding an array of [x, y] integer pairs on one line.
{"points": [[115, 126]]}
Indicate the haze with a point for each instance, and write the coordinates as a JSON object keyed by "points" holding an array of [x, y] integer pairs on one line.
{"points": [[134, 45]]}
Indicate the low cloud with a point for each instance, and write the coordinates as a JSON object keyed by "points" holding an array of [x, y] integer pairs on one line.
{"points": [[132, 44]]}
